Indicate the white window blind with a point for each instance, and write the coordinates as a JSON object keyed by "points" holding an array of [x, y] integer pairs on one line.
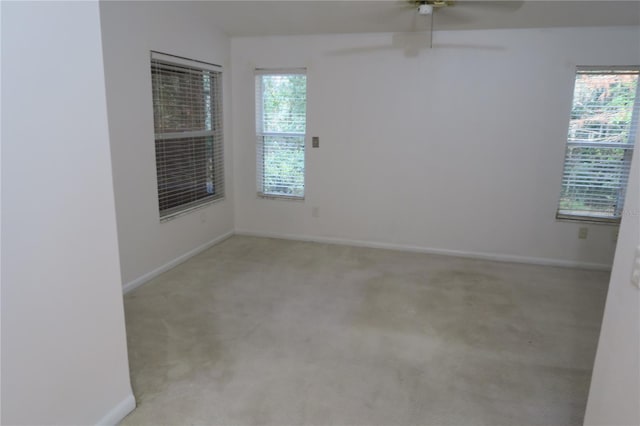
{"points": [[187, 112], [281, 118], [602, 131]]}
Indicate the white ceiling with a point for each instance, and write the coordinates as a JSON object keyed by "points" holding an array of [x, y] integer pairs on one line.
{"points": [[241, 18]]}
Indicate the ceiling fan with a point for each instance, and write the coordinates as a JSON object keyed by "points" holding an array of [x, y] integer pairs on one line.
{"points": [[432, 7], [420, 36], [427, 7]]}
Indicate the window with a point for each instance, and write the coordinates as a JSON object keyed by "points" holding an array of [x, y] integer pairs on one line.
{"points": [[187, 115], [602, 131], [281, 118]]}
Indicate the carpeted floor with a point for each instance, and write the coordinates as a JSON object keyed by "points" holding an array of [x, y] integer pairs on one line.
{"points": [[265, 331]]}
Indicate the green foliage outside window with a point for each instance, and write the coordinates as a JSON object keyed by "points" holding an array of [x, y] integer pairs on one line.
{"points": [[599, 146], [284, 111]]}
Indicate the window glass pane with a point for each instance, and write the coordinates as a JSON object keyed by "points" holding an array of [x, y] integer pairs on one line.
{"points": [[187, 108], [186, 172], [600, 143], [182, 99], [603, 107], [594, 180], [284, 103], [281, 107], [283, 165]]}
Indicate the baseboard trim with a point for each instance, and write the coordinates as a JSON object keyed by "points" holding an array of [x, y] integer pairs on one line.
{"points": [[119, 412], [430, 250], [132, 285]]}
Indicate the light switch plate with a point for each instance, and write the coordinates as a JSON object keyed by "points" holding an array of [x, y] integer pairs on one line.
{"points": [[315, 142]]}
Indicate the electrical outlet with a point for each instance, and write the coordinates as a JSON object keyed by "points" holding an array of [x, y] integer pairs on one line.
{"points": [[315, 211], [583, 232], [315, 142], [635, 272]]}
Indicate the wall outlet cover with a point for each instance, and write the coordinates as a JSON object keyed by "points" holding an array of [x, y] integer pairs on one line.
{"points": [[583, 232], [635, 271]]}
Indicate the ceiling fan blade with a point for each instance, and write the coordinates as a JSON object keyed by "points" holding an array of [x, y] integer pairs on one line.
{"points": [[467, 46], [359, 50], [504, 5], [391, 9], [406, 4], [453, 15], [390, 14], [415, 40]]}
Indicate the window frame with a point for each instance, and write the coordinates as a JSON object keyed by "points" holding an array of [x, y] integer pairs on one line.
{"points": [[260, 133], [214, 148], [628, 147]]}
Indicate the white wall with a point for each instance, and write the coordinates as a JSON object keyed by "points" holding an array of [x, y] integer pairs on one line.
{"points": [[129, 31], [614, 398], [64, 355], [455, 149]]}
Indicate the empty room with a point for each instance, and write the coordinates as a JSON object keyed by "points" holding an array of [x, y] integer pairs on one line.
{"points": [[320, 212]]}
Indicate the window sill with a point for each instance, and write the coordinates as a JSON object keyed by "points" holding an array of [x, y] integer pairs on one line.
{"points": [[186, 211], [280, 197], [587, 220]]}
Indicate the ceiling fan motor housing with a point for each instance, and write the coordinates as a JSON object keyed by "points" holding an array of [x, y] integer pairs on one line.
{"points": [[425, 9]]}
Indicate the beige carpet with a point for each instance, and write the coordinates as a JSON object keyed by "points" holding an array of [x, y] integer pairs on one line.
{"points": [[264, 331]]}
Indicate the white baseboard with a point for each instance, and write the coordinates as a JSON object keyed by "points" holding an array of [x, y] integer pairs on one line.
{"points": [[430, 250], [370, 244], [119, 412], [130, 286]]}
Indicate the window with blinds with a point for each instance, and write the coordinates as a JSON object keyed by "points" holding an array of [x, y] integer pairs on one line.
{"points": [[602, 132], [187, 112], [281, 118]]}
